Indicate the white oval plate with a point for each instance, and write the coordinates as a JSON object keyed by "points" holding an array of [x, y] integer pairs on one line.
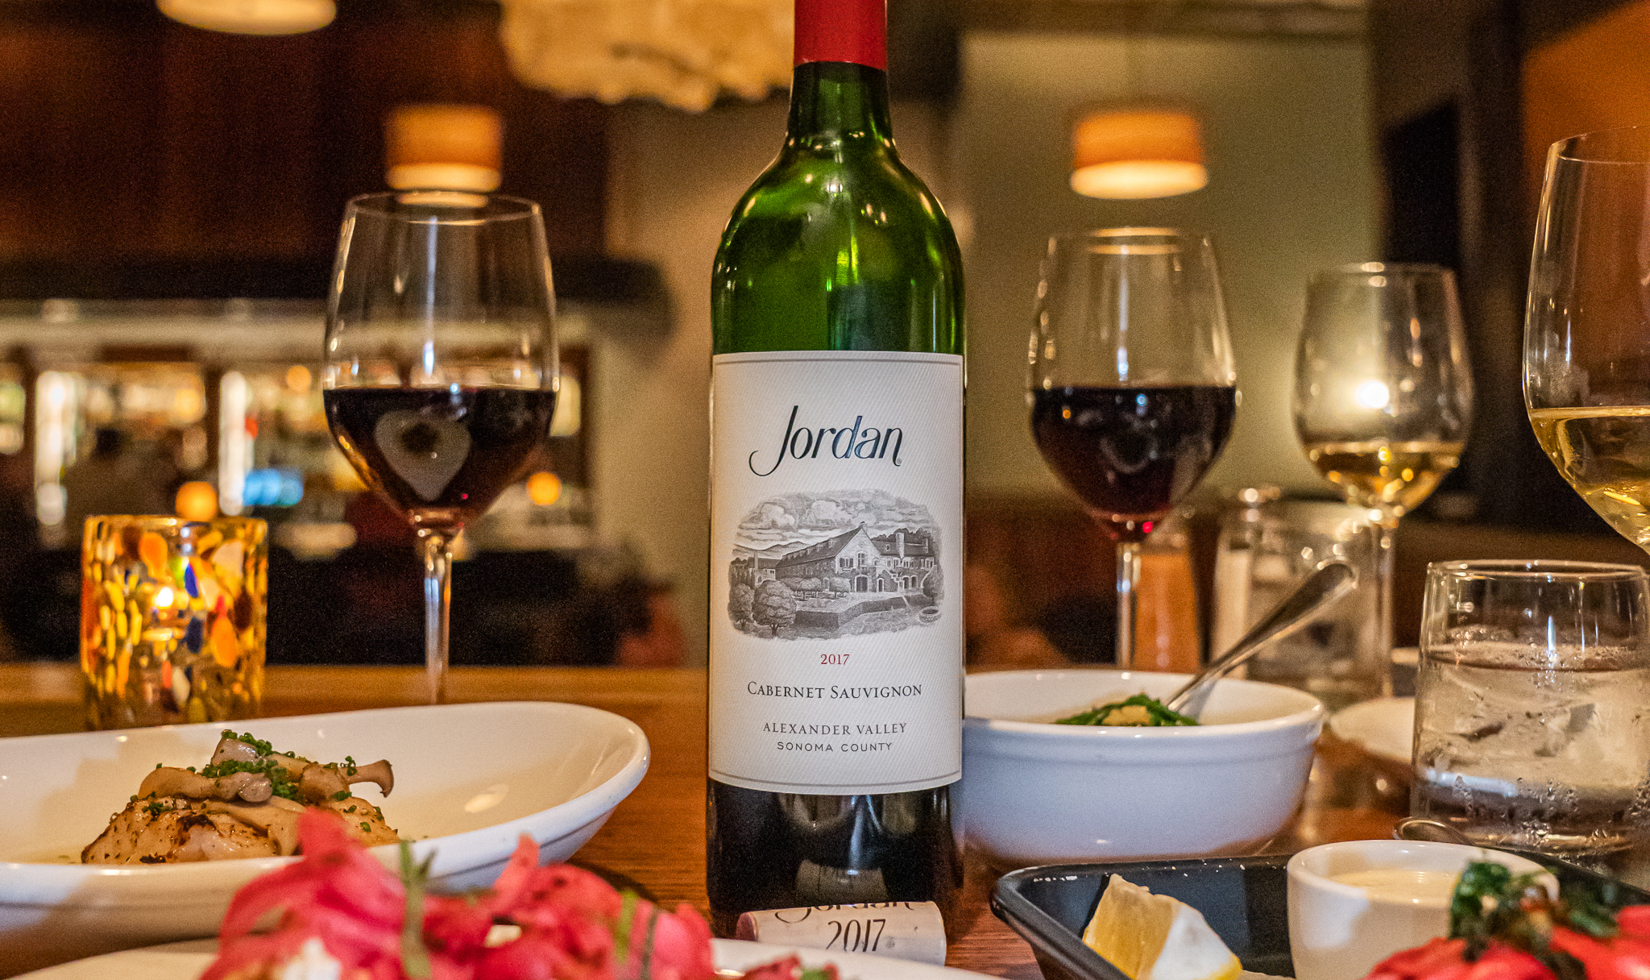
{"points": [[186, 961], [470, 779]]}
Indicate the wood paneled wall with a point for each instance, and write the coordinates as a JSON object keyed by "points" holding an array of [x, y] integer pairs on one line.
{"points": [[129, 141], [1467, 59]]}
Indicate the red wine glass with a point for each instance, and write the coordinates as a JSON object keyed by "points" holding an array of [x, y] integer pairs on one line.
{"points": [[440, 364], [1132, 384]]}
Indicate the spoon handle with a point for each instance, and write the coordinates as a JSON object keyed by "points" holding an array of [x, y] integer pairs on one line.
{"points": [[1424, 829], [1329, 581]]}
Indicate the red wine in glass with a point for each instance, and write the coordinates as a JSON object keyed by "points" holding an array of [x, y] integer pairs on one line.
{"points": [[440, 456], [1132, 453]]}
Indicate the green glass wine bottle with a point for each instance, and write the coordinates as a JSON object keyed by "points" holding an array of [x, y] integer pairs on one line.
{"points": [[836, 638]]}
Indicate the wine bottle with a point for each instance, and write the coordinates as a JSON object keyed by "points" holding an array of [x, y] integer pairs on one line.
{"points": [[836, 638]]}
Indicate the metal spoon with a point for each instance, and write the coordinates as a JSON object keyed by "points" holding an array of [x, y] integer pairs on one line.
{"points": [[1328, 582], [1426, 829]]}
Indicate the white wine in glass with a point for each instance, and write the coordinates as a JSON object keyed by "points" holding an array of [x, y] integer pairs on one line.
{"points": [[1379, 474], [1604, 453], [1587, 326], [1383, 394]]}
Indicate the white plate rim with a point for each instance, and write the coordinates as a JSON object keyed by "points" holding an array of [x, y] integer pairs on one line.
{"points": [[186, 960], [1356, 722]]}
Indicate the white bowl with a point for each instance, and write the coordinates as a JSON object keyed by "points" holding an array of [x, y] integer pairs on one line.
{"points": [[1038, 793], [470, 779], [1339, 930]]}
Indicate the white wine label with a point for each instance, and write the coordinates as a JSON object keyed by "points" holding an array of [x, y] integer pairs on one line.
{"points": [[907, 930], [836, 619]]}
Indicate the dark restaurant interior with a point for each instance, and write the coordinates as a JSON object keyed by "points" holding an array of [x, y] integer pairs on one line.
{"points": [[169, 207]]}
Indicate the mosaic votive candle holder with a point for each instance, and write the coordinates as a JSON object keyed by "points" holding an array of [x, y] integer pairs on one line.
{"points": [[172, 619]]}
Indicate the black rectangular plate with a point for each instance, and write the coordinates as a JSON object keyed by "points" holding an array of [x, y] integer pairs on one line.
{"points": [[1244, 900]]}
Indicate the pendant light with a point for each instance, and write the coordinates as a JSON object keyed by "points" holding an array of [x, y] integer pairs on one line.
{"points": [[443, 146], [1138, 147], [1137, 152], [251, 16]]}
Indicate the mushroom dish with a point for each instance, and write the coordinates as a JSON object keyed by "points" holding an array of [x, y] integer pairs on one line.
{"points": [[244, 803]]}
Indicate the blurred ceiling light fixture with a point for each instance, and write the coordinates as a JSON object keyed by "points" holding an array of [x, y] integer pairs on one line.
{"points": [[1137, 153], [443, 146], [685, 53], [251, 16]]}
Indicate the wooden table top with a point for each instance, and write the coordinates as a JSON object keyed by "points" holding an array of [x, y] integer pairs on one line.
{"points": [[656, 836]]}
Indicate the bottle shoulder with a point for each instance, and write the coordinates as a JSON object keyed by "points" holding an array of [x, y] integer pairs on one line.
{"points": [[836, 250], [818, 184]]}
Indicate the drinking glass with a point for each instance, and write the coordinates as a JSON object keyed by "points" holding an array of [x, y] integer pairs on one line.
{"points": [[1530, 728], [1263, 555], [440, 364], [1383, 394], [1133, 388], [1586, 383]]}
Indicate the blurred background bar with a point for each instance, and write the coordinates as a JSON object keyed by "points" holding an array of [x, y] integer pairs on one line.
{"points": [[142, 406]]}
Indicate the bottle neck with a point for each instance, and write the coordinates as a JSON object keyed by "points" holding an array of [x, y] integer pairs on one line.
{"points": [[838, 100]]}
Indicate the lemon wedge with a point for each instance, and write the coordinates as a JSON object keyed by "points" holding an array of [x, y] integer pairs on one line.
{"points": [[1155, 937]]}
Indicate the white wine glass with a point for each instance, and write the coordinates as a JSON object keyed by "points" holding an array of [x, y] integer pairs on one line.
{"points": [[1587, 325], [1133, 388], [1383, 394], [439, 375]]}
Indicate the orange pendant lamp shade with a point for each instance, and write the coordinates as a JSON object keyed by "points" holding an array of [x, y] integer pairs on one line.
{"points": [[1137, 153], [251, 16], [448, 146]]}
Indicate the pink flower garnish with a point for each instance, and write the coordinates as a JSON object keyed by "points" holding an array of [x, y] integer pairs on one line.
{"points": [[572, 924]]}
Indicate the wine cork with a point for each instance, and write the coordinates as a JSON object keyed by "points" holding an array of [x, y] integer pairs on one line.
{"points": [[906, 930]]}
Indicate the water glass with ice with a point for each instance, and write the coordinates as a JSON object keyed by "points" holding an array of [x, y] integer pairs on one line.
{"points": [[1531, 720]]}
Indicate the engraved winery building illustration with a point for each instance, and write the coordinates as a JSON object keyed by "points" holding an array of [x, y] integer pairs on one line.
{"points": [[853, 581]]}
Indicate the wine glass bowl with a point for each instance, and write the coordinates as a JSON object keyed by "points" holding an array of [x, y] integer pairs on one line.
{"points": [[1586, 374], [1132, 384], [1383, 394], [439, 376]]}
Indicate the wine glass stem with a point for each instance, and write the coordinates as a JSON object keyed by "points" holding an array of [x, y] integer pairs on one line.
{"points": [[1128, 579], [1386, 532], [437, 547]]}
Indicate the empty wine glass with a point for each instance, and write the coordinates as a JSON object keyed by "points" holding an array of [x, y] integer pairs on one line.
{"points": [[440, 364], [1383, 394], [1586, 331], [1133, 388]]}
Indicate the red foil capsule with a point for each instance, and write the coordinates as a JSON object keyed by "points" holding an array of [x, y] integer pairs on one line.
{"points": [[854, 31]]}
